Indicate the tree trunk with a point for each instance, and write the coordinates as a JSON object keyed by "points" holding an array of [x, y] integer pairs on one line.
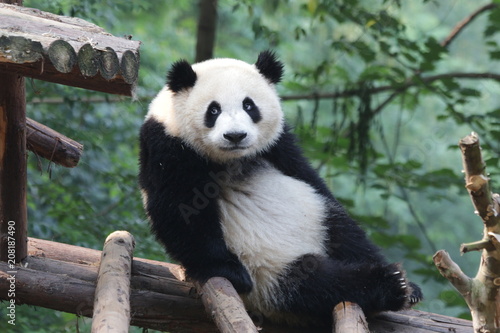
{"points": [[482, 293], [207, 24]]}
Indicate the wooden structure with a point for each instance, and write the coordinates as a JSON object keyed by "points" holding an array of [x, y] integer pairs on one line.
{"points": [[63, 277]]}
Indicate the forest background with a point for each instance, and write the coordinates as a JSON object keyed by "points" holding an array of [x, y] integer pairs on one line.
{"points": [[379, 93]]}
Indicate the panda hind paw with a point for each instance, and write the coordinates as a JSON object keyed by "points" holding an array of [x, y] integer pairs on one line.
{"points": [[396, 292], [416, 294]]}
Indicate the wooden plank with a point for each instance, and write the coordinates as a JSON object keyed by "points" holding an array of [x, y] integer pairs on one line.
{"points": [[13, 179], [66, 50]]}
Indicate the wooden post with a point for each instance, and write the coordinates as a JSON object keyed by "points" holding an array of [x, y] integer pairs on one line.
{"points": [[112, 294], [348, 317], [13, 209], [225, 306]]}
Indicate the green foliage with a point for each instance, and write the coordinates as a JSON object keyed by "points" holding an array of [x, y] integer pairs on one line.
{"points": [[385, 153]]}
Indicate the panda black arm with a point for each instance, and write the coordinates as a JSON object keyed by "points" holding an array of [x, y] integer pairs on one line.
{"points": [[287, 157], [183, 215]]}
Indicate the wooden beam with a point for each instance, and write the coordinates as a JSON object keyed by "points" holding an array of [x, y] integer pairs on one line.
{"points": [[13, 208], [49, 144], [66, 50], [112, 293]]}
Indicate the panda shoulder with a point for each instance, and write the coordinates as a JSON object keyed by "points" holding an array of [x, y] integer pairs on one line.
{"points": [[287, 156]]}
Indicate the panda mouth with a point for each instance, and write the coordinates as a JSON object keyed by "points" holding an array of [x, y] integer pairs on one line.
{"points": [[232, 148]]}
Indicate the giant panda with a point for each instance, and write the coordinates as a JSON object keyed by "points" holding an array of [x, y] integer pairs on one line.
{"points": [[229, 193]]}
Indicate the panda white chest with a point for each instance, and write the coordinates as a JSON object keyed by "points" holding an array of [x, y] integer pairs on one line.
{"points": [[269, 220]]}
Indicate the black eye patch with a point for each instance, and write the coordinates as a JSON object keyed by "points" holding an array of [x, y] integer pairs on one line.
{"points": [[212, 113], [252, 109]]}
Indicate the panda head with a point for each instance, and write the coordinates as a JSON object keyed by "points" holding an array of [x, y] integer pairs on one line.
{"points": [[223, 108]]}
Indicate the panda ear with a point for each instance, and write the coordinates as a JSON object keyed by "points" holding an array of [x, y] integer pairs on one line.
{"points": [[181, 76], [269, 66]]}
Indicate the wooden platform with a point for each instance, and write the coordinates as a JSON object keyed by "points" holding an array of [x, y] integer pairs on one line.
{"points": [[63, 277]]}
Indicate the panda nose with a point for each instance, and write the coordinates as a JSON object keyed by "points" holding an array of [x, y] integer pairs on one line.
{"points": [[235, 137]]}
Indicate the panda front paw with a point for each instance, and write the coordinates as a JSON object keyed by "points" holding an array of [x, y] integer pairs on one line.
{"points": [[238, 275], [241, 281], [416, 294]]}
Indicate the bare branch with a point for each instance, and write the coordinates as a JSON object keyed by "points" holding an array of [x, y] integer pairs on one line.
{"points": [[403, 86], [462, 24]]}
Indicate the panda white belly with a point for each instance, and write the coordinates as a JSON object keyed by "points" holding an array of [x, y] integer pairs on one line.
{"points": [[268, 221]]}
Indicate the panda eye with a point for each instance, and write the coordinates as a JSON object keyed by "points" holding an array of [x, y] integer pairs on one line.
{"points": [[214, 109], [248, 104], [212, 113], [252, 109]]}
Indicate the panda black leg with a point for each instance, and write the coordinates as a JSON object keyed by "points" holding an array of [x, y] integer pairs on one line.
{"points": [[316, 285]]}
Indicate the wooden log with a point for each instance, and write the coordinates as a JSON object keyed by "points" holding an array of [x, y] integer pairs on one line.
{"points": [[140, 280], [225, 306], [66, 50], [72, 253], [62, 55], [112, 294], [52, 145], [128, 65], [109, 64], [414, 321], [348, 317], [13, 179], [88, 60]]}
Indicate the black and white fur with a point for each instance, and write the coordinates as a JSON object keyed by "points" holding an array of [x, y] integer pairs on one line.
{"points": [[229, 193]]}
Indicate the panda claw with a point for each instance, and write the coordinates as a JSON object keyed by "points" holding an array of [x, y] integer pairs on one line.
{"points": [[396, 273], [413, 300]]}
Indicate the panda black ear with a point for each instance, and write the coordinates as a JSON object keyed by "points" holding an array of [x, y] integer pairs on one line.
{"points": [[269, 66], [181, 76]]}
